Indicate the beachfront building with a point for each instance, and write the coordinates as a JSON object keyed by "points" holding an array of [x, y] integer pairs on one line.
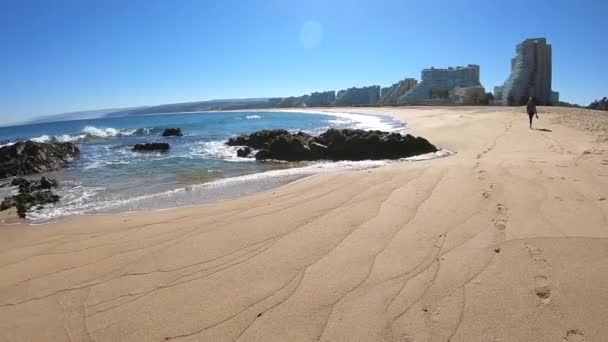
{"points": [[530, 75], [554, 97], [390, 95], [325, 98], [468, 95], [358, 96], [435, 84]]}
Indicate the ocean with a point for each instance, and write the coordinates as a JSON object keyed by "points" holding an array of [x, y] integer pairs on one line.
{"points": [[199, 168]]}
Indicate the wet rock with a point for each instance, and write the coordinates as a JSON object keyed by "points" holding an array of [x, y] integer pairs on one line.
{"points": [[172, 132], [334, 144], [29, 157], [244, 152], [289, 147], [151, 147], [32, 194], [256, 140], [356, 144]]}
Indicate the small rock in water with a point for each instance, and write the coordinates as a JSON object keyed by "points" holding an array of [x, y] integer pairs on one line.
{"points": [[151, 147], [173, 132]]}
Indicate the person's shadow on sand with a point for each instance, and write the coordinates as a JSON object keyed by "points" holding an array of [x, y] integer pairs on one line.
{"points": [[543, 130]]}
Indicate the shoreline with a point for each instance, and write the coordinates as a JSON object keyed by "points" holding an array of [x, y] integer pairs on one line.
{"points": [[248, 184], [513, 225]]}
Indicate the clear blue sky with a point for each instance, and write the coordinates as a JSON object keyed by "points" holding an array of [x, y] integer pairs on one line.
{"points": [[59, 56]]}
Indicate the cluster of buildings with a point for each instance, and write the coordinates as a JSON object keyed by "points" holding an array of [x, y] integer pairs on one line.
{"points": [[530, 77]]}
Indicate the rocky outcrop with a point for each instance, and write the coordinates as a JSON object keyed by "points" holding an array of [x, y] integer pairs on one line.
{"points": [[244, 152], [151, 147], [289, 147], [334, 144], [32, 194], [256, 140], [173, 132], [29, 157]]}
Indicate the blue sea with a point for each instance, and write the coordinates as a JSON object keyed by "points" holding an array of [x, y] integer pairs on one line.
{"points": [[199, 168]]}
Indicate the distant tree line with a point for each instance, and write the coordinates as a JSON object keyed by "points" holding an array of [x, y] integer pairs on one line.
{"points": [[599, 104]]}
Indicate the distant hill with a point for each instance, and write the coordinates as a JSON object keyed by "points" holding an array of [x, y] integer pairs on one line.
{"points": [[226, 104], [87, 114], [199, 106]]}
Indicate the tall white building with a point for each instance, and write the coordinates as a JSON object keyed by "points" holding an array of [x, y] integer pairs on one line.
{"points": [[437, 83], [530, 75]]}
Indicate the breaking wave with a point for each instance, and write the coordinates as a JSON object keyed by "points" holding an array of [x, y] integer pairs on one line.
{"points": [[91, 132]]}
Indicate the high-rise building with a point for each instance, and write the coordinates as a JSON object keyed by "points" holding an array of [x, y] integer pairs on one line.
{"points": [[390, 95], [437, 83], [358, 96], [530, 75], [324, 98]]}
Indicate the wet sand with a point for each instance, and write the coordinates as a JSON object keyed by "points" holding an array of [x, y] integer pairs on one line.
{"points": [[504, 241]]}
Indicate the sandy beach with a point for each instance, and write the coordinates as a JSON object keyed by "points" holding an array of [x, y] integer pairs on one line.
{"points": [[507, 240]]}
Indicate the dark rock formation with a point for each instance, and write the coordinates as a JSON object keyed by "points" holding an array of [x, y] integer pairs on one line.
{"points": [[26, 158], [244, 152], [290, 147], [356, 144], [173, 132], [31, 194], [151, 147], [345, 144], [256, 140]]}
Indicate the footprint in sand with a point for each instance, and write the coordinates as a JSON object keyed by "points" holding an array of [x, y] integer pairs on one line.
{"points": [[536, 253], [542, 289], [488, 193], [432, 312], [500, 220], [574, 335]]}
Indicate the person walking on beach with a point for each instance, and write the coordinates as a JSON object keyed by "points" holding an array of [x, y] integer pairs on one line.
{"points": [[531, 107]]}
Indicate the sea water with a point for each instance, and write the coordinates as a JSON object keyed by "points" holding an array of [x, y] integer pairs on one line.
{"points": [[109, 177]]}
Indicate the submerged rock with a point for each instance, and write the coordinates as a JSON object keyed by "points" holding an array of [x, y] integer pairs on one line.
{"points": [[32, 194], [172, 132], [151, 147], [29, 157], [334, 144]]}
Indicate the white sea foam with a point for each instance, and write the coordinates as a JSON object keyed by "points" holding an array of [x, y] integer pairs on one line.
{"points": [[91, 132], [359, 121], [216, 149], [77, 200], [251, 117], [7, 144]]}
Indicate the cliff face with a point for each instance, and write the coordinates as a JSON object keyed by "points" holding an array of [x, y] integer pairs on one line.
{"points": [[358, 96], [391, 94]]}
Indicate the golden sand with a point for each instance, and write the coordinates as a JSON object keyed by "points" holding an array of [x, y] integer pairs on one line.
{"points": [[504, 241]]}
